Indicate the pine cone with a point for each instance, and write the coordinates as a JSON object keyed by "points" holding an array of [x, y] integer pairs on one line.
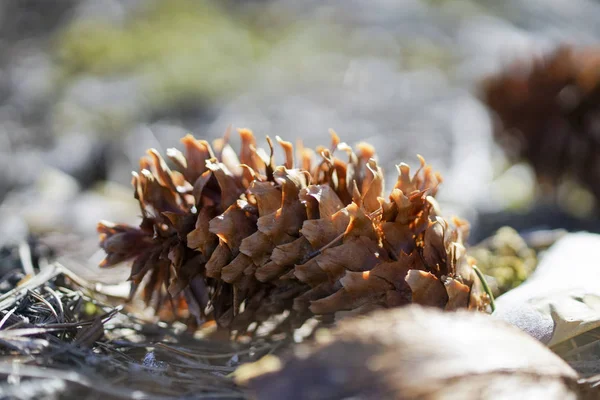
{"points": [[549, 109], [240, 240]]}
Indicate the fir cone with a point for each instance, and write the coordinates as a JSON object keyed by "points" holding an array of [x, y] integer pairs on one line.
{"points": [[237, 239], [548, 110]]}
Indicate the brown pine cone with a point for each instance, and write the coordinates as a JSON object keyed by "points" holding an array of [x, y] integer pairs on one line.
{"points": [[548, 111], [241, 240]]}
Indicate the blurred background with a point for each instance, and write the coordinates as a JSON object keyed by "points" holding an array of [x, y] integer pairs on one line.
{"points": [[86, 86]]}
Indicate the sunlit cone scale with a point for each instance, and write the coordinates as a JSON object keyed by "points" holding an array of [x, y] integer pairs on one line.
{"points": [[239, 239]]}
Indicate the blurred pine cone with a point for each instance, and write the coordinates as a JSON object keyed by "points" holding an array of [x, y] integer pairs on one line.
{"points": [[549, 115], [237, 239]]}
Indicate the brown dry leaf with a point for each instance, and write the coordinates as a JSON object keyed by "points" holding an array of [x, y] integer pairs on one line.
{"points": [[418, 353]]}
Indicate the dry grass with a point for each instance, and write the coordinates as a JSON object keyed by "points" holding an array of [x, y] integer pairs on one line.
{"points": [[58, 340]]}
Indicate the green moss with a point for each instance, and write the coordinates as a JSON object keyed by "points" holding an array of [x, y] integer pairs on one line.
{"points": [[180, 47], [505, 257], [423, 54], [197, 52]]}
